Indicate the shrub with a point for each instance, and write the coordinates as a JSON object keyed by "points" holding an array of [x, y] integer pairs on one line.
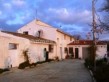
{"points": [[67, 57], [49, 60], [27, 64], [56, 58], [102, 73], [33, 64], [101, 62], [88, 63], [4, 70], [24, 64]]}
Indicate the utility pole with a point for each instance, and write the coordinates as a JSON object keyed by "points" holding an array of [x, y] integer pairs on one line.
{"points": [[94, 33]]}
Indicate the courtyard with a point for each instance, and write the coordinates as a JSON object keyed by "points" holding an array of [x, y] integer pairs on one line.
{"points": [[72, 70]]}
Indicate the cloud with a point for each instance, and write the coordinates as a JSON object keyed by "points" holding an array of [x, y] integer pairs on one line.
{"points": [[15, 21], [7, 6], [70, 16], [18, 2], [15, 12], [20, 18], [1, 29], [0, 12]]}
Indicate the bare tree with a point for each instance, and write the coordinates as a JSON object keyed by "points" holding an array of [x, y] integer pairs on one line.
{"points": [[105, 10], [77, 37], [106, 6]]}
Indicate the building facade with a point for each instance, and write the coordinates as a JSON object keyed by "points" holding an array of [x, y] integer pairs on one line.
{"points": [[14, 44], [80, 48], [43, 30]]}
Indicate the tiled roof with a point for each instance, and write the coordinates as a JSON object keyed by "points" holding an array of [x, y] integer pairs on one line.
{"points": [[30, 37], [64, 32], [86, 42]]}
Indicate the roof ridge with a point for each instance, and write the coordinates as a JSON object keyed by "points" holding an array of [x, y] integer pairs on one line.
{"points": [[45, 24], [64, 32]]}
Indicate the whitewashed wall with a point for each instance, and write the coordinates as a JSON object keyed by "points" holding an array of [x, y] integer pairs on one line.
{"points": [[16, 56], [62, 41], [7, 55], [48, 33], [101, 50], [37, 51], [34, 26]]}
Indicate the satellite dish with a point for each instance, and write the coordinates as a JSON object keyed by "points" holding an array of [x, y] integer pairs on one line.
{"points": [[39, 33]]}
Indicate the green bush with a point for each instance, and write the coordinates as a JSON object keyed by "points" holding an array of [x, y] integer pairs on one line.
{"points": [[101, 62], [24, 64], [56, 58], [102, 73], [67, 57], [4, 70], [89, 63]]}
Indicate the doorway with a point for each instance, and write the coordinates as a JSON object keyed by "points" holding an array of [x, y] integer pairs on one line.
{"points": [[76, 53], [71, 52], [61, 52], [85, 52], [13, 54]]}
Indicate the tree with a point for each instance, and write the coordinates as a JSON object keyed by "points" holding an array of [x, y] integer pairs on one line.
{"points": [[77, 37], [105, 10], [106, 6]]}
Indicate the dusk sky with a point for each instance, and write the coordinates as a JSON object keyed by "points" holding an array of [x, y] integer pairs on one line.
{"points": [[74, 16]]}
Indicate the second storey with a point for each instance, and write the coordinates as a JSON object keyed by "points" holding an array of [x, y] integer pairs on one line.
{"points": [[40, 29]]}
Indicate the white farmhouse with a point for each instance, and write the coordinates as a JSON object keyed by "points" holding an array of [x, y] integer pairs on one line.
{"points": [[12, 46], [43, 30], [80, 48]]}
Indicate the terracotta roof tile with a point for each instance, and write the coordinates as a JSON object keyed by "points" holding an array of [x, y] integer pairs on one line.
{"points": [[86, 42], [30, 37]]}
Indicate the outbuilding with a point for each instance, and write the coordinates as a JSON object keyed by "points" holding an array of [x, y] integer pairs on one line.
{"points": [[80, 48]]}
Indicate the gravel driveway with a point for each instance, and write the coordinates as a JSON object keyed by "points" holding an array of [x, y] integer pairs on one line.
{"points": [[62, 71]]}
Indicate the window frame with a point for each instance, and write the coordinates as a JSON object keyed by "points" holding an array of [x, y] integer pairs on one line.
{"points": [[25, 32], [51, 48], [12, 46]]}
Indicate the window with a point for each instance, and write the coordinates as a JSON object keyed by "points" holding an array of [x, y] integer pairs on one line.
{"points": [[51, 48], [25, 32], [12, 46], [70, 38], [66, 50], [71, 50]]}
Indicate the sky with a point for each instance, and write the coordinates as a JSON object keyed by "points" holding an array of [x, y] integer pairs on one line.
{"points": [[72, 16]]}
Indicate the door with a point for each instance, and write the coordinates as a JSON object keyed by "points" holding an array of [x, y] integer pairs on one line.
{"points": [[76, 52], [13, 58], [61, 52], [13, 54], [71, 51], [85, 52]]}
